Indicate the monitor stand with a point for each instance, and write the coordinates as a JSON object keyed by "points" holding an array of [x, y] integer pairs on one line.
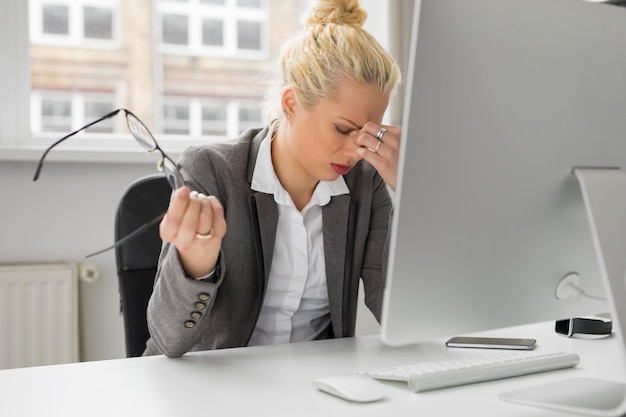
{"points": [[604, 195]]}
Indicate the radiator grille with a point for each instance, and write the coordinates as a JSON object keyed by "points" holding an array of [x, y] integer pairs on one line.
{"points": [[38, 315]]}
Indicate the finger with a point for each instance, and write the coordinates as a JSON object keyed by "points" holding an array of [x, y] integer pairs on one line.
{"points": [[175, 212], [371, 136], [189, 223], [367, 142], [205, 229], [391, 138], [374, 158], [384, 154], [218, 219], [377, 131]]}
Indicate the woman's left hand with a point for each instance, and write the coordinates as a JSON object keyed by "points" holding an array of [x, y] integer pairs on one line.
{"points": [[380, 146]]}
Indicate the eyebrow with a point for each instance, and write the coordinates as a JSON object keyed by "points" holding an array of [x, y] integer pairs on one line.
{"points": [[350, 121]]}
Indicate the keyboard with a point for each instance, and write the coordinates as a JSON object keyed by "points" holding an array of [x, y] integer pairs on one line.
{"points": [[433, 375]]}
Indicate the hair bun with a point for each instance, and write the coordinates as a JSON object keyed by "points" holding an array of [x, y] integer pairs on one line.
{"points": [[339, 12]]}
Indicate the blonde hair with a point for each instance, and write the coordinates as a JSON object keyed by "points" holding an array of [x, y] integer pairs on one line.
{"points": [[334, 46]]}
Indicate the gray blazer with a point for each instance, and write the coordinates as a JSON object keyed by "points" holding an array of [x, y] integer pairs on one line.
{"points": [[185, 314]]}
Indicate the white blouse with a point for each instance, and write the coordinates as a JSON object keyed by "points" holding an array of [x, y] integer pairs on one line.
{"points": [[296, 306]]}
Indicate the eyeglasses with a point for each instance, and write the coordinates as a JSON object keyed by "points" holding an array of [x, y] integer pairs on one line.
{"points": [[143, 136]]}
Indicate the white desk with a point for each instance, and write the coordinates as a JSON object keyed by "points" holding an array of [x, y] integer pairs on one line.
{"points": [[275, 381]]}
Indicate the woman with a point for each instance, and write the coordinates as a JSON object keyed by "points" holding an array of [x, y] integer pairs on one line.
{"points": [[283, 221]]}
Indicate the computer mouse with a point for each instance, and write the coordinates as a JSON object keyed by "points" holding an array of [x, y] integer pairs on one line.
{"points": [[355, 388]]}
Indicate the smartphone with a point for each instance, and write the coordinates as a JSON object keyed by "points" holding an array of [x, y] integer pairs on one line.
{"points": [[492, 343]]}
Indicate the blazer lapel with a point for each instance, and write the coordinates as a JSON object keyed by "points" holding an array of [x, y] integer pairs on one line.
{"points": [[336, 216], [264, 226]]}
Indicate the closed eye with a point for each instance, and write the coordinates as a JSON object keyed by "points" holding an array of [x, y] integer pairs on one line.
{"points": [[344, 131]]}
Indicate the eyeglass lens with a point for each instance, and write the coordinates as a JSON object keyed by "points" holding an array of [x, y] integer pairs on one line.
{"points": [[143, 136], [140, 132], [168, 167]]}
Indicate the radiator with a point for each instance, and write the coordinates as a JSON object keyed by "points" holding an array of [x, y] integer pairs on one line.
{"points": [[38, 315]]}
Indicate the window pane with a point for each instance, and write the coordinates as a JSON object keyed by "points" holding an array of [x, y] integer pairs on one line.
{"points": [[213, 112], [56, 20], [56, 115], [98, 23], [176, 119], [212, 32], [214, 120], [96, 109], [249, 3], [175, 29], [248, 35], [249, 116]]}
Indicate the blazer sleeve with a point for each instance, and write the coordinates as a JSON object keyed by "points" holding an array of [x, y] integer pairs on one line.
{"points": [[179, 306], [185, 314]]}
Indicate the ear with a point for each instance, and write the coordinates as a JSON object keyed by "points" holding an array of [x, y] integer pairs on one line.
{"points": [[288, 101]]}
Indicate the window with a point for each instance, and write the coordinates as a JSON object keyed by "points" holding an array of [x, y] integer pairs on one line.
{"points": [[181, 69], [248, 35], [56, 114], [74, 22], [226, 28], [249, 116], [175, 29], [176, 117], [209, 117], [192, 70], [214, 119], [55, 20], [212, 32], [97, 23], [60, 112]]}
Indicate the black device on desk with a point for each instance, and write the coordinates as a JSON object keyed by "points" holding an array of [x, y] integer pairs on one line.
{"points": [[583, 326]]}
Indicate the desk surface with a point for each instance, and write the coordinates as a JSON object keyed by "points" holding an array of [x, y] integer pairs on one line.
{"points": [[276, 381]]}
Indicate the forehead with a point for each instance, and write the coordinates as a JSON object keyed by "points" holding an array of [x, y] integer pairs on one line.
{"points": [[357, 102]]}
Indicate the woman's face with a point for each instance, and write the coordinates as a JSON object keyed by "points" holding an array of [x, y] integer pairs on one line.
{"points": [[321, 140]]}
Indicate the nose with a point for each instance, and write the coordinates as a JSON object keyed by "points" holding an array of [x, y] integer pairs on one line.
{"points": [[351, 146]]}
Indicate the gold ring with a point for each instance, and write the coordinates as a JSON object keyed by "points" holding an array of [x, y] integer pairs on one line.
{"points": [[377, 147], [208, 235], [380, 134]]}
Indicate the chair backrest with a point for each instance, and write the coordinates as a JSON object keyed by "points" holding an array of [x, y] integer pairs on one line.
{"points": [[137, 259]]}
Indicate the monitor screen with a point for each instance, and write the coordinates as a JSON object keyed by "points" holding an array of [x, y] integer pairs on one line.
{"points": [[503, 99]]}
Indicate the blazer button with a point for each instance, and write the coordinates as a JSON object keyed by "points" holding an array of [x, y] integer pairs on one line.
{"points": [[203, 296], [189, 324], [196, 315], [199, 305]]}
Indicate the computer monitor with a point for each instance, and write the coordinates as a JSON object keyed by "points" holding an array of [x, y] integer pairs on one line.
{"points": [[503, 99]]}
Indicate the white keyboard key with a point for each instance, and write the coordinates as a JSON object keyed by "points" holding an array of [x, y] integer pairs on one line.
{"points": [[426, 376]]}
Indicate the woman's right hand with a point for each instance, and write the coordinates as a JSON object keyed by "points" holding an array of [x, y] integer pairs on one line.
{"points": [[195, 225]]}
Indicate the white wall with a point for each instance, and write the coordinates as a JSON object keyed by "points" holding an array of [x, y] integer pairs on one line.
{"points": [[68, 213]]}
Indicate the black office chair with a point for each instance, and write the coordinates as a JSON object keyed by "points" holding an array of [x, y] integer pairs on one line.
{"points": [[137, 259]]}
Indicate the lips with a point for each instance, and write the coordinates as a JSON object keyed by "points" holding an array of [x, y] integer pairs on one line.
{"points": [[341, 169]]}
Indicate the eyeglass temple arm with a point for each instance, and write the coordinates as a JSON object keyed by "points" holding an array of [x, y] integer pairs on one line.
{"points": [[130, 236], [40, 164]]}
